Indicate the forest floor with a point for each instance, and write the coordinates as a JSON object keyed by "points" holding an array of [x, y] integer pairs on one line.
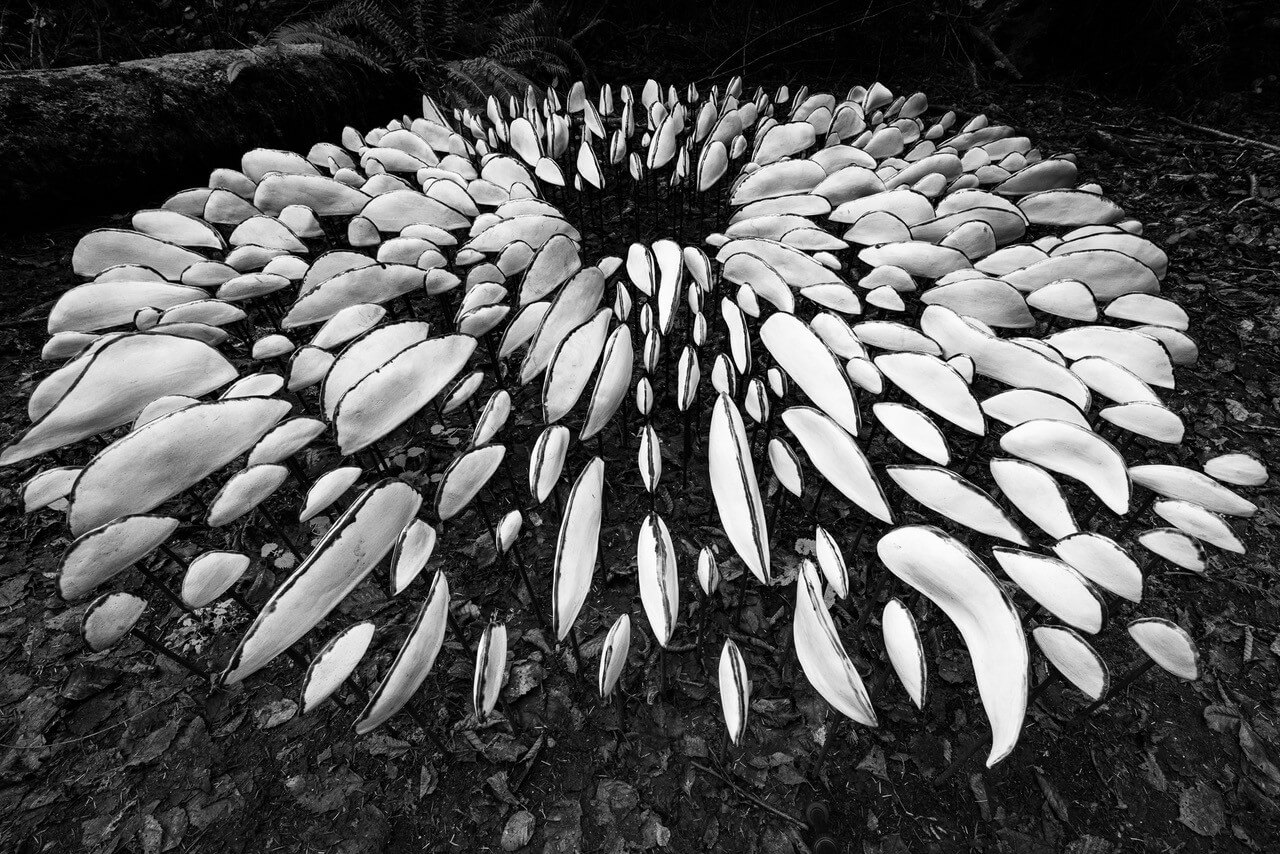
{"points": [[124, 752]]}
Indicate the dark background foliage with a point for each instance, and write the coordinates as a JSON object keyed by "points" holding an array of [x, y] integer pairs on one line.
{"points": [[1160, 50]]}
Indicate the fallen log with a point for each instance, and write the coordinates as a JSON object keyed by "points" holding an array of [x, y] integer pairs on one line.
{"points": [[110, 137]]}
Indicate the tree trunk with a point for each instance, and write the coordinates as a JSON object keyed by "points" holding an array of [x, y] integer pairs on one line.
{"points": [[116, 136]]}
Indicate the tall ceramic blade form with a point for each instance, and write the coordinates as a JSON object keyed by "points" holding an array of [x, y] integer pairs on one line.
{"points": [[736, 490], [953, 578], [576, 547]]}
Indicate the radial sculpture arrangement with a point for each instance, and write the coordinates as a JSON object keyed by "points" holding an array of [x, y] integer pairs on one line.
{"points": [[876, 312]]}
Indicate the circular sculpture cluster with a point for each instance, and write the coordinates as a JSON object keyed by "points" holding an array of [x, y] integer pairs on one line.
{"points": [[914, 315]]}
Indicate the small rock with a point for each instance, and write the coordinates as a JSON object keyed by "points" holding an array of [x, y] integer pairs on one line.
{"points": [[518, 832]]}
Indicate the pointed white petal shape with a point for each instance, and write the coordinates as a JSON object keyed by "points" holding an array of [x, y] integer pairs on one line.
{"points": [[1055, 585], [335, 661], [612, 382], [465, 477], [812, 367], [906, 652], [210, 575], [659, 581], [414, 660], [1103, 561], [1035, 494], [936, 386], [1074, 657], [831, 562], [1200, 523], [546, 460], [1075, 452], [946, 492], [491, 666], [736, 490], [613, 655], [735, 690], [1179, 548], [1172, 481], [109, 618], [356, 543], [822, 655], [99, 555], [1237, 469], [191, 444], [327, 488], [576, 547], [839, 459], [1169, 646], [412, 551], [708, 571]]}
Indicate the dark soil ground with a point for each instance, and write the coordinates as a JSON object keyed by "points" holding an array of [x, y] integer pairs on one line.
{"points": [[124, 752]]}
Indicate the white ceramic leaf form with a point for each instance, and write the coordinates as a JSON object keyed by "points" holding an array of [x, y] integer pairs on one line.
{"points": [[109, 618], [906, 652], [954, 579], [577, 301], [97, 306], [327, 488], [1200, 523], [391, 394], [1172, 481], [914, 429], [1179, 548], [244, 491], [159, 460], [491, 665], [412, 551], [109, 385], [612, 381], [335, 661], [289, 437], [821, 654], [735, 690], [576, 547], [831, 562], [736, 490], [1103, 561], [936, 386], [465, 477], [649, 457], [708, 571], [49, 488], [659, 581], [813, 367], [572, 364], [1055, 585], [1169, 645], [1035, 494], [1074, 657], [1237, 469], [210, 575], [613, 655], [786, 466], [1076, 452], [99, 555], [839, 458], [414, 660], [946, 492], [356, 543]]}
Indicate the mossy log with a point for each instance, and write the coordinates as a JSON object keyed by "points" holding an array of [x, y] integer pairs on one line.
{"points": [[99, 138]]}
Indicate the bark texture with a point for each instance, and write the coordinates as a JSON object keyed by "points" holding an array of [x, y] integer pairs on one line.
{"points": [[111, 137]]}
